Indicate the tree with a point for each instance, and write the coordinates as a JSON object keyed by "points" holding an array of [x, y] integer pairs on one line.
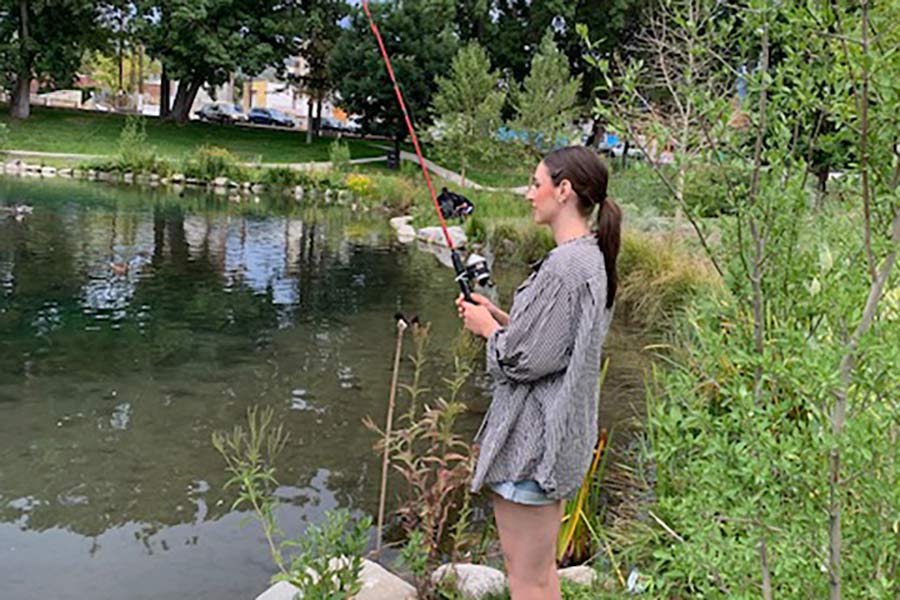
{"points": [[419, 38], [546, 104], [317, 40], [203, 42], [468, 104], [43, 40]]}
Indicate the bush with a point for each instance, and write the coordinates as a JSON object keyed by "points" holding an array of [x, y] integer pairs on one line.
{"points": [[4, 136], [209, 162], [339, 155], [360, 185], [134, 154], [286, 177]]}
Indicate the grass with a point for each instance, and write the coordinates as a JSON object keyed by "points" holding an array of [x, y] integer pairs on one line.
{"points": [[80, 132]]}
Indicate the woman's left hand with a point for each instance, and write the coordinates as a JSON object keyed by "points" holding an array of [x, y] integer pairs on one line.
{"points": [[478, 319]]}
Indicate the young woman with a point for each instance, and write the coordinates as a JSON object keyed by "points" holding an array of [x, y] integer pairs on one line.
{"points": [[544, 357]]}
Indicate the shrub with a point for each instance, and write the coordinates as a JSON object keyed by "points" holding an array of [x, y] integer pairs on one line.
{"points": [[360, 185], [209, 162], [286, 177], [328, 561], [339, 155]]}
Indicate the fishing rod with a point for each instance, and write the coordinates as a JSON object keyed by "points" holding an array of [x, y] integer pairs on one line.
{"points": [[476, 268]]}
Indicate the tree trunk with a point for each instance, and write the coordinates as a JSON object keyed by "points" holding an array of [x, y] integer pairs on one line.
{"points": [[184, 99], [21, 100], [309, 119], [319, 113], [165, 91]]}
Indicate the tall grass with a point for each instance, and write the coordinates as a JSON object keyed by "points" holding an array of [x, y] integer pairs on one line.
{"points": [[658, 276]]}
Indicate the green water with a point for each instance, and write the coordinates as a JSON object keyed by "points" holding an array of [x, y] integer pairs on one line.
{"points": [[134, 323]]}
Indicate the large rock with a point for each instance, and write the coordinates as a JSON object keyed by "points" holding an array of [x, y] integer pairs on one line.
{"points": [[472, 581], [377, 584], [581, 574], [48, 171], [380, 584], [435, 235], [398, 222], [279, 591]]}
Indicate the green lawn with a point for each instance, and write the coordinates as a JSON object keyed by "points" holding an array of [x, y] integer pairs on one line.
{"points": [[79, 132]]}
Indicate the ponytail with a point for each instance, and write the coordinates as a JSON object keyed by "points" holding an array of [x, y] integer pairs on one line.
{"points": [[609, 238]]}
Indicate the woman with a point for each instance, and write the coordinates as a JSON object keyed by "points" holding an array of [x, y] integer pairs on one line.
{"points": [[544, 357]]}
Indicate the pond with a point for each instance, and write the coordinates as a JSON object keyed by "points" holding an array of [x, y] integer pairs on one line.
{"points": [[135, 322]]}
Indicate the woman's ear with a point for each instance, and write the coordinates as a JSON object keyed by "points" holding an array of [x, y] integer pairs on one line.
{"points": [[565, 190]]}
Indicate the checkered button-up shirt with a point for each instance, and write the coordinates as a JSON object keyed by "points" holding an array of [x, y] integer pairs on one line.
{"points": [[542, 422]]}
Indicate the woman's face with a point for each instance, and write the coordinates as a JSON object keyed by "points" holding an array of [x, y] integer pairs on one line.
{"points": [[543, 196]]}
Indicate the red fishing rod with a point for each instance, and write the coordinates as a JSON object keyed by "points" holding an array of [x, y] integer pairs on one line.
{"points": [[461, 275]]}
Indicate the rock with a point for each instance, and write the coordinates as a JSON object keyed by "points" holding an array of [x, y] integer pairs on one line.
{"points": [[193, 181], [177, 178], [32, 168], [435, 235], [582, 574], [377, 583], [472, 581], [154, 177], [280, 591], [380, 584], [246, 185], [406, 234], [128, 177], [397, 222], [78, 173], [258, 188], [104, 176], [65, 173], [48, 171], [92, 174], [298, 192], [220, 182]]}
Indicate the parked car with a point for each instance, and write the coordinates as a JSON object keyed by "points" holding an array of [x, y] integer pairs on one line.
{"points": [[348, 125], [221, 113], [270, 116]]}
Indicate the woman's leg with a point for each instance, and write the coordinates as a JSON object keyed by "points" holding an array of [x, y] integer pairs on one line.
{"points": [[528, 538]]}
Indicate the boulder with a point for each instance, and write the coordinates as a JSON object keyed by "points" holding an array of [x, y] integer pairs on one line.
{"points": [[65, 173], [435, 235], [473, 582], [582, 574], [406, 234], [377, 583], [258, 188], [220, 182], [177, 178], [48, 171], [397, 222], [380, 584]]}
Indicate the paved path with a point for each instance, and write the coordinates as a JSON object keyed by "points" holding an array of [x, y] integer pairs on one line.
{"points": [[456, 177]]}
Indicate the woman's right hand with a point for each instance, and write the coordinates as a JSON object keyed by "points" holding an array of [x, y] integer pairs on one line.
{"points": [[484, 301]]}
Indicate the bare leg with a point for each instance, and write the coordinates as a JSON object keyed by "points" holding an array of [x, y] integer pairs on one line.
{"points": [[528, 538]]}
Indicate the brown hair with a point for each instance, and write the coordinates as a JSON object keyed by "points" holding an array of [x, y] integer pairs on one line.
{"points": [[589, 177]]}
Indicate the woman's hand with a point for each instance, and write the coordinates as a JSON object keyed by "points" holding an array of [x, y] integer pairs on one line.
{"points": [[499, 315], [477, 318]]}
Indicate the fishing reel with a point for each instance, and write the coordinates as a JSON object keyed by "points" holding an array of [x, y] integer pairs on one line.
{"points": [[477, 270], [474, 271]]}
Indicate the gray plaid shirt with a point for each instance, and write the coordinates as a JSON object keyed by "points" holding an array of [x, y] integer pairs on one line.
{"points": [[542, 422]]}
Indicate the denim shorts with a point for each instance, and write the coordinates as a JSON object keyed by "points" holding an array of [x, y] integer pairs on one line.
{"points": [[522, 492]]}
